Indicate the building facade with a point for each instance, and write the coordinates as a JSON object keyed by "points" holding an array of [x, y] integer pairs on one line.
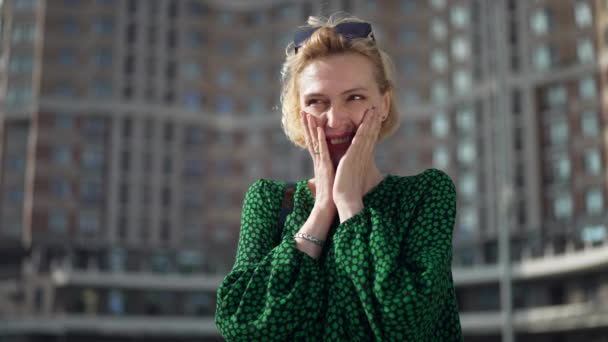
{"points": [[131, 129]]}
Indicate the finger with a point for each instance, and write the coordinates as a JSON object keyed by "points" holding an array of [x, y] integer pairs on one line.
{"points": [[307, 137], [312, 126], [323, 149]]}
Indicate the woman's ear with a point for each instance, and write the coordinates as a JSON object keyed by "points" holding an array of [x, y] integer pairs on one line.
{"points": [[386, 103]]}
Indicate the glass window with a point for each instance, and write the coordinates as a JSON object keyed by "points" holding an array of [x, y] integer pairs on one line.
{"points": [[469, 220], [439, 92], [62, 155], [67, 57], [225, 105], [23, 33], [103, 26], [191, 71], [116, 302], [563, 206], [91, 190], [20, 63], [462, 81], [582, 14], [411, 96], [23, 4], [93, 157], [587, 88], [192, 100], [103, 58], [409, 65], [193, 135], [468, 185], [465, 120], [256, 106], [439, 61], [256, 77], [585, 51], [459, 16], [18, 95], [539, 21], [194, 39], [562, 168], [94, 126], [593, 161], [594, 234], [438, 4], [61, 188], [466, 152], [64, 121], [88, 221], [544, 57], [460, 48], [225, 78], [226, 18], [558, 131], [101, 89], [407, 35], [557, 96], [189, 261], [595, 201], [408, 5], [255, 48], [589, 124], [439, 29], [69, 25], [441, 157], [160, 263], [58, 221], [117, 259]]}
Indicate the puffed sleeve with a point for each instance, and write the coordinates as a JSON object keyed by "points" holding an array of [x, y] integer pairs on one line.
{"points": [[273, 287], [401, 266]]}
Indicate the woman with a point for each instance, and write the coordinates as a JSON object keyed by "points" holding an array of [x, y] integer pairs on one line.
{"points": [[363, 255]]}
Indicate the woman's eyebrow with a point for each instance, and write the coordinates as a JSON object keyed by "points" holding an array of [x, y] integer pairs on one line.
{"points": [[354, 89]]}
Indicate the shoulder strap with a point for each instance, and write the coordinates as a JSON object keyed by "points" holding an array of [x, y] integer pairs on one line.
{"points": [[287, 204]]}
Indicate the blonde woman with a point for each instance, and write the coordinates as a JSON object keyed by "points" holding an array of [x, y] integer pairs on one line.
{"points": [[364, 255]]}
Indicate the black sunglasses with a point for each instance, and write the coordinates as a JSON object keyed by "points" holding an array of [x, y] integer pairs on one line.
{"points": [[349, 30]]}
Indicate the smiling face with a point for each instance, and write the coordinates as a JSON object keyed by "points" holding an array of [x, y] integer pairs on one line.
{"points": [[338, 90]]}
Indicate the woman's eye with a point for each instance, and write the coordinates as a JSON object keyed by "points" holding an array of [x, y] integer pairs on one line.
{"points": [[313, 102], [357, 97]]}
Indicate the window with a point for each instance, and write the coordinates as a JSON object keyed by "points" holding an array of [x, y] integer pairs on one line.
{"points": [[539, 21], [225, 105], [189, 261], [61, 188], [69, 26], [191, 71], [556, 96], [563, 206], [91, 191], [582, 14], [256, 77], [593, 161], [103, 26], [441, 157], [465, 120], [438, 29], [562, 168], [192, 100], [58, 221], [558, 131], [94, 127], [466, 152], [88, 221], [593, 234], [194, 39], [21, 63], [409, 65], [103, 58], [468, 185], [439, 61], [469, 220], [587, 88], [92, 157], [589, 124], [116, 302], [544, 57], [460, 48], [225, 18], [62, 155], [439, 92], [462, 81], [459, 16], [255, 48], [67, 57], [64, 121], [225, 78], [23, 33], [18, 95], [408, 6], [407, 35], [438, 4], [101, 89], [585, 51], [594, 200]]}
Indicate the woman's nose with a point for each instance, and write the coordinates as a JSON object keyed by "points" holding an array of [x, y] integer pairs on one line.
{"points": [[336, 116]]}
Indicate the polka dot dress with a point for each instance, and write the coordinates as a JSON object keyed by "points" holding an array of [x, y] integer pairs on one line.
{"points": [[384, 274]]}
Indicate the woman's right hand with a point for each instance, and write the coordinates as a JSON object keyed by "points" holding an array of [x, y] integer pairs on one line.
{"points": [[323, 167]]}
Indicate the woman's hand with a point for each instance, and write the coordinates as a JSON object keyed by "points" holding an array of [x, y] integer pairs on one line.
{"points": [[353, 169], [323, 167]]}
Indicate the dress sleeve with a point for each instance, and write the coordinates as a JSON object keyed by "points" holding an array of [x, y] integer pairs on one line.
{"points": [[273, 288], [401, 267]]}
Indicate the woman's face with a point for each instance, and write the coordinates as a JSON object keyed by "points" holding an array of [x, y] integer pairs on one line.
{"points": [[338, 90]]}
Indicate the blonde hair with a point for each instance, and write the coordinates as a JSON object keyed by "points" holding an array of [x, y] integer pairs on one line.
{"points": [[326, 42]]}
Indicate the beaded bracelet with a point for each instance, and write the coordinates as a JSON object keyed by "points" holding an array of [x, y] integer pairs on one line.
{"points": [[309, 238]]}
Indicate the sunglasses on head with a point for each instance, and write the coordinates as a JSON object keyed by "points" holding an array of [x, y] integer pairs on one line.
{"points": [[348, 30]]}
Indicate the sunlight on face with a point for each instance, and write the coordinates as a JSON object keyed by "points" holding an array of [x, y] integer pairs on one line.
{"points": [[338, 89]]}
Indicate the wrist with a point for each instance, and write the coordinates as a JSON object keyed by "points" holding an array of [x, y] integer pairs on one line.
{"points": [[348, 209]]}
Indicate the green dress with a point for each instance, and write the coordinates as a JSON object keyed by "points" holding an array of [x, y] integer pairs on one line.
{"points": [[384, 274]]}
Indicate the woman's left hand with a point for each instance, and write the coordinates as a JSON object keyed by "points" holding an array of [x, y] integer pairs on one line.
{"points": [[352, 171]]}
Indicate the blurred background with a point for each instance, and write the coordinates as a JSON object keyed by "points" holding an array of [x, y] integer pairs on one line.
{"points": [[131, 129]]}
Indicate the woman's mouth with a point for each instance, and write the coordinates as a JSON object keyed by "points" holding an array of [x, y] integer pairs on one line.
{"points": [[339, 140]]}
